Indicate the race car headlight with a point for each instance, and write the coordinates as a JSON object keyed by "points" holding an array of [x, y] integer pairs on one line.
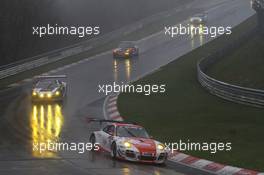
{"points": [[161, 147], [127, 145], [49, 95], [57, 93]]}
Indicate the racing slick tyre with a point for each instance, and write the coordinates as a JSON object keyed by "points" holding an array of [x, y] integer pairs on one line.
{"points": [[113, 150], [92, 141]]}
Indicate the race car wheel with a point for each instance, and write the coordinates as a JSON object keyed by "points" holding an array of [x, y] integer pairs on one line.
{"points": [[113, 150], [92, 141]]}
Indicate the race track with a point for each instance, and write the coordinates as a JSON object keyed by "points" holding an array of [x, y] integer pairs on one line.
{"points": [[68, 123]]}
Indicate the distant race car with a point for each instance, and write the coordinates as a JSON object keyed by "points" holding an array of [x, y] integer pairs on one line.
{"points": [[130, 142], [49, 88], [126, 49], [199, 19]]}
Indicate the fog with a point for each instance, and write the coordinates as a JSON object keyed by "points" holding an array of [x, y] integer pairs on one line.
{"points": [[18, 17]]}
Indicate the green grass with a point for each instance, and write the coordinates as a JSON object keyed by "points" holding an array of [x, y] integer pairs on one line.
{"points": [[244, 66], [187, 111]]}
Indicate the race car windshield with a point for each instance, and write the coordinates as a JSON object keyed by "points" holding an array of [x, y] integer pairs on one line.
{"points": [[46, 84], [125, 131]]}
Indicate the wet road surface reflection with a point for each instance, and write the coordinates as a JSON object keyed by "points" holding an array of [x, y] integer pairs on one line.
{"points": [[122, 69], [46, 123], [197, 36]]}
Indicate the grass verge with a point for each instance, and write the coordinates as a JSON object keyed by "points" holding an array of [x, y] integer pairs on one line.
{"points": [[187, 111], [244, 67]]}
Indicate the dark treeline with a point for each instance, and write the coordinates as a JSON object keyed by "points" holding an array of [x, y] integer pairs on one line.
{"points": [[19, 16]]}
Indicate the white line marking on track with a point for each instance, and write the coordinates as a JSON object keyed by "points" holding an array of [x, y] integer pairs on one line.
{"points": [[14, 85]]}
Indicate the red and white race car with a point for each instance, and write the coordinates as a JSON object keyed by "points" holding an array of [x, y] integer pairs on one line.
{"points": [[129, 142]]}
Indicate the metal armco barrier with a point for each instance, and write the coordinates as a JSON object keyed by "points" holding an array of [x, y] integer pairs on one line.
{"points": [[56, 55], [238, 94]]}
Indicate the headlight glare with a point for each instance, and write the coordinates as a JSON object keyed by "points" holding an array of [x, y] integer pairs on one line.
{"points": [[161, 147], [127, 144], [49, 95], [57, 93]]}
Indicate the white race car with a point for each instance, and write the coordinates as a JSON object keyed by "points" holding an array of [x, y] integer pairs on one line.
{"points": [[129, 142]]}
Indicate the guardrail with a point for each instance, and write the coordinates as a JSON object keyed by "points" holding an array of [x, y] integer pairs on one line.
{"points": [[238, 94], [56, 55], [227, 91]]}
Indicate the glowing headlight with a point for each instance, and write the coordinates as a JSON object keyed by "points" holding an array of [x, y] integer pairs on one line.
{"points": [[127, 144], [34, 93], [160, 147], [57, 93], [41, 95], [49, 95]]}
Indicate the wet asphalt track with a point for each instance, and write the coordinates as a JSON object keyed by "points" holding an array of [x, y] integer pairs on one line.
{"points": [[27, 123]]}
